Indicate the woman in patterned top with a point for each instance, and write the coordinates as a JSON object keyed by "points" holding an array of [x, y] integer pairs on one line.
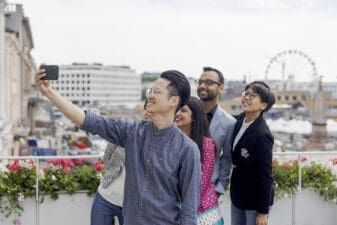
{"points": [[192, 120]]}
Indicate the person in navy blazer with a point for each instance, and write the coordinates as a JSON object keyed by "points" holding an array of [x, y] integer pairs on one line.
{"points": [[251, 187]]}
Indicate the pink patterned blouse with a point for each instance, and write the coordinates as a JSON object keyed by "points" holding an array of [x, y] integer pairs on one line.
{"points": [[208, 196]]}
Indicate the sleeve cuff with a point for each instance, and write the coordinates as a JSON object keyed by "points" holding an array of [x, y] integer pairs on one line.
{"points": [[219, 188]]}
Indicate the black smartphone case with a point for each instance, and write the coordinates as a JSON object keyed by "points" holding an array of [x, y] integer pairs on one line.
{"points": [[52, 72]]}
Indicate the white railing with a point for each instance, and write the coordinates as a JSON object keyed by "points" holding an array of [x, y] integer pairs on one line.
{"points": [[297, 155]]}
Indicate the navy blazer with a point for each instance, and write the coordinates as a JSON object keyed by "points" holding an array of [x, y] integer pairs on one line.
{"points": [[252, 184]]}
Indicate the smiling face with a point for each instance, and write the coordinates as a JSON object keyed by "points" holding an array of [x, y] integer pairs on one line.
{"points": [[211, 91], [184, 117], [251, 102], [159, 99]]}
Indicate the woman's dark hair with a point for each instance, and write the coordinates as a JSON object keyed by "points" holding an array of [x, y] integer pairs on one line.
{"points": [[179, 85], [263, 90], [145, 104], [200, 126]]}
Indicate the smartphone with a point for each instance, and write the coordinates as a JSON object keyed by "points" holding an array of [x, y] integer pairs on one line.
{"points": [[52, 72]]}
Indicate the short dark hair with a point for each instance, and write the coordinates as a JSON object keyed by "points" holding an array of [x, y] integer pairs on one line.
{"points": [[179, 85], [200, 126], [263, 90], [220, 75]]}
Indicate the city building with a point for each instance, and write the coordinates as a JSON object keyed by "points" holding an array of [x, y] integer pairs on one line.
{"points": [[17, 69], [99, 85], [296, 98], [19, 66]]}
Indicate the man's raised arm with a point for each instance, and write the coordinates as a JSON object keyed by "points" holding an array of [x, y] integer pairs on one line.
{"points": [[71, 111]]}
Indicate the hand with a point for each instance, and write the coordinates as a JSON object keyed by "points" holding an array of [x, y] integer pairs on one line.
{"points": [[261, 219], [43, 85], [147, 116]]}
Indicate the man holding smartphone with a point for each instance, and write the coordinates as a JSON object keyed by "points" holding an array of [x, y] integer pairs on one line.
{"points": [[162, 183]]}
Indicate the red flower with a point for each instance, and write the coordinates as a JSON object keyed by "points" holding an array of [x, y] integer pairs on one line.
{"points": [[54, 162], [334, 161], [80, 161], [98, 166], [61, 162], [14, 166], [67, 163], [31, 163]]}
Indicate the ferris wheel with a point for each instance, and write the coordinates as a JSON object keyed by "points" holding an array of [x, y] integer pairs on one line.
{"points": [[290, 69]]}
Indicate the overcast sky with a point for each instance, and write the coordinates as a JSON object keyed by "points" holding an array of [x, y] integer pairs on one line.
{"points": [[239, 36]]}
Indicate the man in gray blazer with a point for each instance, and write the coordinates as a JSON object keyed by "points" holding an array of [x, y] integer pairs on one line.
{"points": [[210, 86]]}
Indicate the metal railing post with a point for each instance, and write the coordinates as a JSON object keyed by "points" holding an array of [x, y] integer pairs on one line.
{"points": [[299, 173], [293, 209], [37, 202]]}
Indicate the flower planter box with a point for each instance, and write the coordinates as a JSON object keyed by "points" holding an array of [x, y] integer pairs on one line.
{"points": [[310, 209], [66, 210]]}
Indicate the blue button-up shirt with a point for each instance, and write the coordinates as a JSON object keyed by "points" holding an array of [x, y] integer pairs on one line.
{"points": [[162, 183]]}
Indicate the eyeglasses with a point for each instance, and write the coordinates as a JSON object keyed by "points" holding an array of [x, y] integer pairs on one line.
{"points": [[207, 82], [249, 95], [151, 92]]}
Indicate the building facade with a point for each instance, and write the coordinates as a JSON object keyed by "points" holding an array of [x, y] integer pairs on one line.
{"points": [[99, 85], [19, 66], [17, 69]]}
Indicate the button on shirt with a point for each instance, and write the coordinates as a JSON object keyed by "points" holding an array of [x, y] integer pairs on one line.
{"points": [[162, 184]]}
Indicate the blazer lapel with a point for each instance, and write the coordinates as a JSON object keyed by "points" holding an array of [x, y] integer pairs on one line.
{"points": [[215, 120], [237, 127], [248, 131]]}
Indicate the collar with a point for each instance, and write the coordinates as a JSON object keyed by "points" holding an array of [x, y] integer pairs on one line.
{"points": [[164, 130], [211, 113]]}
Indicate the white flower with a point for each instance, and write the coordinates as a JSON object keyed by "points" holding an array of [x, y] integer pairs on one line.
{"points": [[21, 197], [41, 172], [99, 176], [53, 177], [334, 183], [286, 195]]}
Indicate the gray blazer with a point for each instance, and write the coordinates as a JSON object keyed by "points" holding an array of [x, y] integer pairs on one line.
{"points": [[221, 128], [113, 159]]}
